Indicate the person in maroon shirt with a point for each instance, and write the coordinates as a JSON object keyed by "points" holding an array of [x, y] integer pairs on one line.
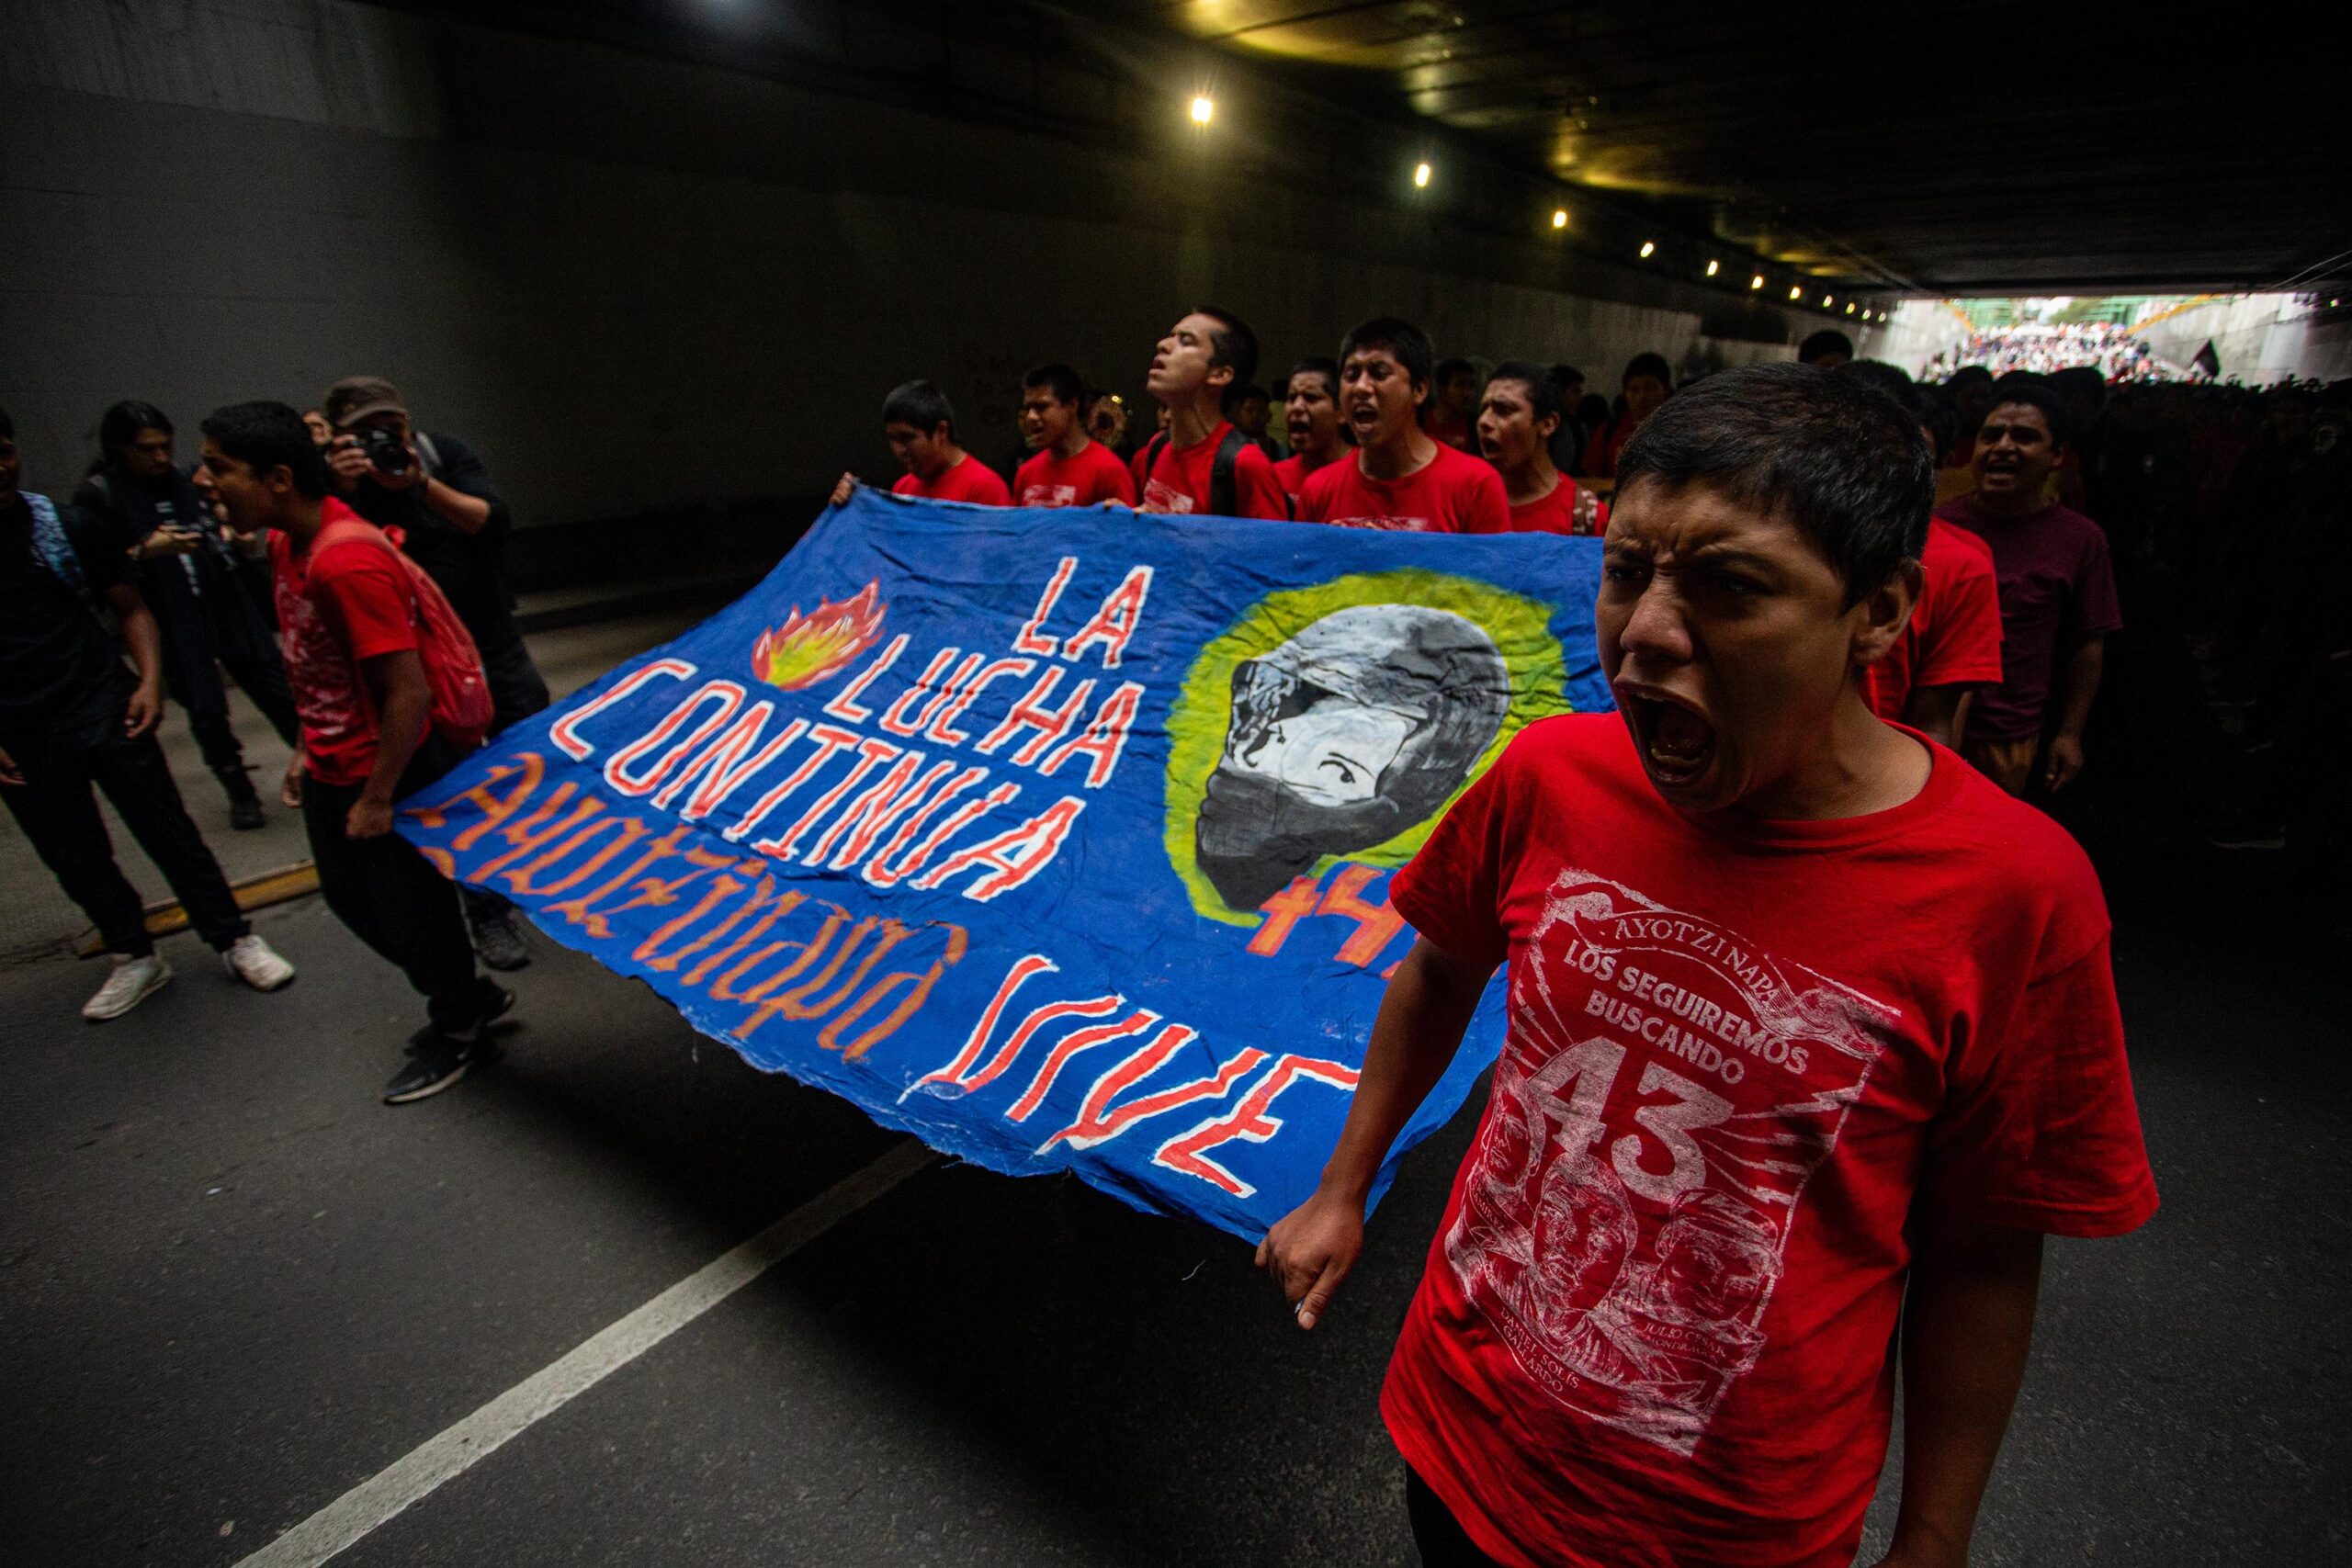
{"points": [[1518, 416], [1070, 468], [1200, 463], [1311, 417], [2058, 602], [921, 428], [1813, 1037], [1401, 477]]}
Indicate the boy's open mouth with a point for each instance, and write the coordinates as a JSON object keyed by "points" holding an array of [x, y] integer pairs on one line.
{"points": [[1675, 741]]}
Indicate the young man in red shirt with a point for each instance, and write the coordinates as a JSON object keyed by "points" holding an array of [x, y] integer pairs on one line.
{"points": [[1311, 418], [1951, 646], [1200, 463], [349, 615], [1517, 418], [1070, 467], [1648, 382], [1401, 477], [921, 428], [2058, 602], [1812, 1033]]}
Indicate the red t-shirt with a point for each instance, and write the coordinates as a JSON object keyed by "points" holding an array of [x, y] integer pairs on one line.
{"points": [[1556, 512], [1292, 473], [1654, 1327], [350, 601], [1452, 493], [967, 478], [1179, 480], [1095, 476], [1954, 638]]}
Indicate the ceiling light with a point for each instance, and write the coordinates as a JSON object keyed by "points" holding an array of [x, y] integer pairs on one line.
{"points": [[1714, 267], [1827, 301], [1422, 176], [1796, 291], [1204, 109], [1559, 217], [1756, 282], [1649, 248], [1849, 307]]}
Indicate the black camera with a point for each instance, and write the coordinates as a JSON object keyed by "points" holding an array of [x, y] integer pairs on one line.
{"points": [[384, 447]]}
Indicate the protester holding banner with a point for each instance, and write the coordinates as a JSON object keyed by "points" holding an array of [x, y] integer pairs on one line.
{"points": [[1070, 468], [1311, 415], [1200, 463], [920, 425], [1401, 477], [378, 662], [73, 720], [1518, 417], [1752, 1093]]}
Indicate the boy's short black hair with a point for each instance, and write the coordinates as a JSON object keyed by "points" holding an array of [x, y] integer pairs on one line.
{"points": [[1651, 364], [1828, 340], [1967, 375], [921, 404], [1316, 365], [1448, 369], [1232, 343], [1255, 390], [265, 435], [1543, 391], [1831, 453], [1568, 376], [1410, 345], [2035, 392], [1068, 385], [1890, 379]]}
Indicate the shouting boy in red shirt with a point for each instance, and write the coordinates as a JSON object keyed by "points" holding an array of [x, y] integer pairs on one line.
{"points": [[921, 428], [1070, 468], [1400, 475], [1200, 463], [349, 614], [1811, 1028], [1518, 415], [1311, 418]]}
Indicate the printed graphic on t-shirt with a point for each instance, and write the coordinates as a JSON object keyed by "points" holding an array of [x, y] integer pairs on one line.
{"points": [[1050, 496], [1160, 497], [1666, 1092], [326, 689], [1393, 523]]}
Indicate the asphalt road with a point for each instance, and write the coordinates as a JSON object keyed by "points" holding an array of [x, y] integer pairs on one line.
{"points": [[234, 1286]]}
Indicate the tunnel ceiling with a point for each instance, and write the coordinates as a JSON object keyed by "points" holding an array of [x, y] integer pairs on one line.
{"points": [[1954, 149]]}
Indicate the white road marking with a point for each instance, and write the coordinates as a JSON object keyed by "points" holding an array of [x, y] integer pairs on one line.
{"points": [[378, 1499]]}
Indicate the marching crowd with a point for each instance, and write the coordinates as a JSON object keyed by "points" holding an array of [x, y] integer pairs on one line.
{"points": [[1792, 554]]}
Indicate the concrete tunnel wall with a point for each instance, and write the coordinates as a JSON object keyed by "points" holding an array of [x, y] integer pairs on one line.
{"points": [[636, 283]]}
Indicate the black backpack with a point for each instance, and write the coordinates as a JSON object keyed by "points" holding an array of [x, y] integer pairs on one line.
{"points": [[1225, 493]]}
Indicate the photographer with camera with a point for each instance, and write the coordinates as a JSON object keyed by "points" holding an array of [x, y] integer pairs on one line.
{"points": [[434, 490]]}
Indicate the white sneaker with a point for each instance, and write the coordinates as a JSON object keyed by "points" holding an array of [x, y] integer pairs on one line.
{"points": [[132, 982], [257, 962]]}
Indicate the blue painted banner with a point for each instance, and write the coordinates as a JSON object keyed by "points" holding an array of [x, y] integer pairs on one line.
{"points": [[1058, 838]]}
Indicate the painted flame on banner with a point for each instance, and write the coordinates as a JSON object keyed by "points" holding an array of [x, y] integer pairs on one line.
{"points": [[807, 649]]}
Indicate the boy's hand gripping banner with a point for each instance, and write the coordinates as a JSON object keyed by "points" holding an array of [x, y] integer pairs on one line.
{"points": [[1058, 839]]}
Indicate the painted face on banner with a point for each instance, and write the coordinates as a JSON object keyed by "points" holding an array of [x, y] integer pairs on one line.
{"points": [[1360, 726]]}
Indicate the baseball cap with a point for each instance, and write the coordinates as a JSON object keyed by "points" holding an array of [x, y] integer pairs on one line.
{"points": [[354, 398]]}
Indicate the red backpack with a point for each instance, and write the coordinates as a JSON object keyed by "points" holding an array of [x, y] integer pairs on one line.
{"points": [[461, 705]]}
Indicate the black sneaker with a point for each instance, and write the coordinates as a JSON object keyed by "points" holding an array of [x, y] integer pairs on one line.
{"points": [[497, 1001], [435, 1062]]}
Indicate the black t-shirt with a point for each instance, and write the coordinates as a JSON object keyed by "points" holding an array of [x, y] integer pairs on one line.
{"points": [[59, 667], [468, 567]]}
